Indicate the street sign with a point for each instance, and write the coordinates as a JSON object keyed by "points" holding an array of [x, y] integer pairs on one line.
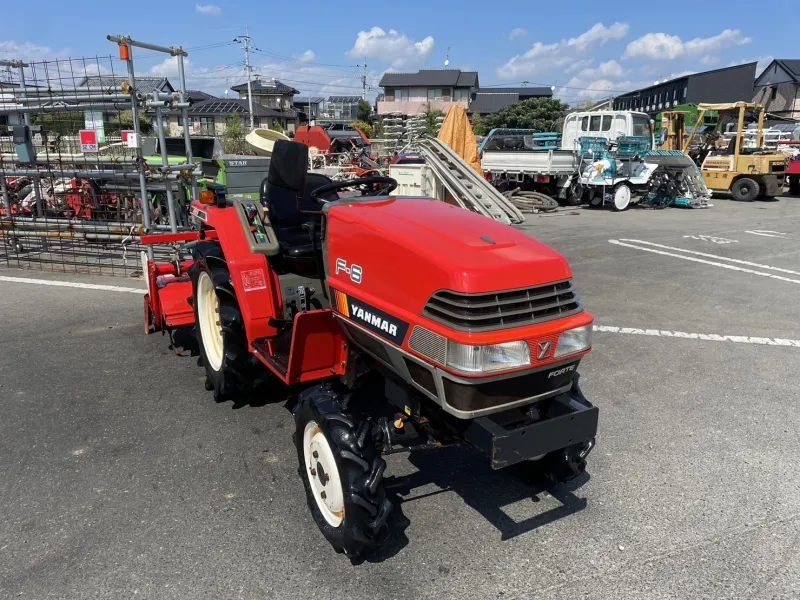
{"points": [[93, 119], [129, 138], [88, 140]]}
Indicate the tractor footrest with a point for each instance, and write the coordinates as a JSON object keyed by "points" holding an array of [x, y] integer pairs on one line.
{"points": [[570, 419]]}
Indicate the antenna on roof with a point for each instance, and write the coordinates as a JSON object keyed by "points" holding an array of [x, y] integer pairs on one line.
{"points": [[447, 58]]}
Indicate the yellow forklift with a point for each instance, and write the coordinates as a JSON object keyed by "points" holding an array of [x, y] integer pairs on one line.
{"points": [[673, 130], [746, 172]]}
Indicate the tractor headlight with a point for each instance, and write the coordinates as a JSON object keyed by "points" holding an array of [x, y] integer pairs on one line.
{"points": [[573, 341], [488, 359]]}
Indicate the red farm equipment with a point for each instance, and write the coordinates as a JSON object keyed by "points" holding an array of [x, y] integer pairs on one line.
{"points": [[390, 330]]}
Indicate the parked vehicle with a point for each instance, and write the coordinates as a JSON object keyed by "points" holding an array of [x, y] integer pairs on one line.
{"points": [[629, 172], [555, 171], [396, 324], [746, 173]]}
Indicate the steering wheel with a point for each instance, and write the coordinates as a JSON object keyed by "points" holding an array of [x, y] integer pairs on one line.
{"points": [[387, 186]]}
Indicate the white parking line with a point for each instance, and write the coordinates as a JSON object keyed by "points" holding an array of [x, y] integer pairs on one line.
{"points": [[712, 238], [772, 234], [715, 256], [708, 262], [72, 284], [709, 337]]}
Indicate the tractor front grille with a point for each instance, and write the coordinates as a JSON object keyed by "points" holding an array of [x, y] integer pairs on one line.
{"points": [[501, 310]]}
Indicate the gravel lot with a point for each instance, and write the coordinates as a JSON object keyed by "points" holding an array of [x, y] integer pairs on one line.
{"points": [[121, 478]]}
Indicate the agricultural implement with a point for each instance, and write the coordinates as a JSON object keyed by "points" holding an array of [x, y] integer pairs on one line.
{"points": [[390, 332]]}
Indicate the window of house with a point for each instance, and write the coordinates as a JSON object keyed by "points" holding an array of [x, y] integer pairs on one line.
{"points": [[585, 124], [595, 124], [207, 125], [461, 95], [401, 94], [606, 123], [675, 94], [774, 93], [685, 92]]}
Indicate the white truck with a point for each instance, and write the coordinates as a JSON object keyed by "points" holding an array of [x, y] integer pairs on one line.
{"points": [[556, 172]]}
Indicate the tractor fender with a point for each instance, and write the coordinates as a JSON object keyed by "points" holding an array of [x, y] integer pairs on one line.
{"points": [[211, 253]]}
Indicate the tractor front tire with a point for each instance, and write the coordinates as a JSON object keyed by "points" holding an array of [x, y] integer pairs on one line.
{"points": [[342, 473], [219, 327], [745, 190]]}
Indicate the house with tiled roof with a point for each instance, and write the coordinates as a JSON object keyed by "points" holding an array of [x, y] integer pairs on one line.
{"points": [[778, 88], [275, 95], [210, 117], [437, 89]]}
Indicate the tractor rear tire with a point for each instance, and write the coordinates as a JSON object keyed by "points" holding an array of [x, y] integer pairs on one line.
{"points": [[342, 473], [745, 190], [219, 327]]}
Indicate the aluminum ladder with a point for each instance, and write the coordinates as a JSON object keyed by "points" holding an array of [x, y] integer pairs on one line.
{"points": [[470, 190]]}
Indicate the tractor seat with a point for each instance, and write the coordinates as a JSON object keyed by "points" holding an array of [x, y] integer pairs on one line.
{"points": [[293, 223]]}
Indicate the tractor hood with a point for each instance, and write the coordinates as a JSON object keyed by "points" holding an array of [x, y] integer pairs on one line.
{"points": [[409, 248]]}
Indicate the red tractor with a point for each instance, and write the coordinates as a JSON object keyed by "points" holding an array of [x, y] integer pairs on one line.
{"points": [[396, 324]]}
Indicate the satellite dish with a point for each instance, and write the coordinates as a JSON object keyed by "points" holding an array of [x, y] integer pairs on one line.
{"points": [[226, 93], [446, 62]]}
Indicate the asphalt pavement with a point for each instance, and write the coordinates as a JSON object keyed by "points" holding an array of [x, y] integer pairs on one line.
{"points": [[121, 478]]}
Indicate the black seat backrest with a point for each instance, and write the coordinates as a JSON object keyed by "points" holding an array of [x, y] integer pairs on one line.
{"points": [[285, 182], [284, 209], [731, 149]]}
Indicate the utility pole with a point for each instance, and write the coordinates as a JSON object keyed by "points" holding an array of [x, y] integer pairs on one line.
{"points": [[364, 80], [245, 40]]}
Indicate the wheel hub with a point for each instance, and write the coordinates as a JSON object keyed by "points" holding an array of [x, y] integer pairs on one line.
{"points": [[323, 474], [209, 320]]}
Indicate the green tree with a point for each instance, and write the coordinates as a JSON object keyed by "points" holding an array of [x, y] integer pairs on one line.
{"points": [[233, 138], [364, 112], [479, 126], [276, 126], [363, 126], [542, 114], [431, 124]]}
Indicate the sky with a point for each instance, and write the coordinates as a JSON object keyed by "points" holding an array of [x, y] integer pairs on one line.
{"points": [[584, 50]]}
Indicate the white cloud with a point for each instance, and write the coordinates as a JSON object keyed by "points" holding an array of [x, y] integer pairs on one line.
{"points": [[656, 46], [610, 69], [208, 9], [519, 32], [169, 67], [306, 56], [663, 46], [29, 52], [547, 57], [594, 83], [391, 47], [578, 65]]}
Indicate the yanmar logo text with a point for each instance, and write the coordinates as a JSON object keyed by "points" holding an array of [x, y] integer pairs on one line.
{"points": [[370, 318], [373, 319]]}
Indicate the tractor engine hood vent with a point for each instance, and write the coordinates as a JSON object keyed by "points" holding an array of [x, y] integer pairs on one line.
{"points": [[501, 310]]}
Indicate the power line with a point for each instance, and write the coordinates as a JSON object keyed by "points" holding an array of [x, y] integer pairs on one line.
{"points": [[305, 62]]}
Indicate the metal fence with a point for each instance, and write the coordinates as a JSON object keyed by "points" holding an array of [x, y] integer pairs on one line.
{"points": [[84, 170]]}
